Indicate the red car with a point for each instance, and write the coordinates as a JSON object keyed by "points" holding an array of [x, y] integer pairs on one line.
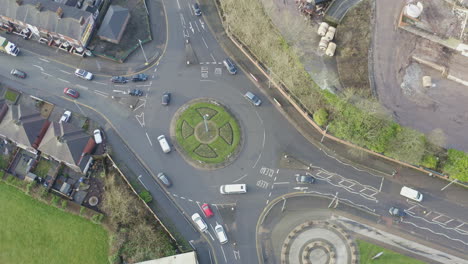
{"points": [[70, 92], [207, 210]]}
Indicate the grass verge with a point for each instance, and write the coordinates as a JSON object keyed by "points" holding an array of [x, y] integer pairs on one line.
{"points": [[33, 232], [11, 95], [368, 250]]}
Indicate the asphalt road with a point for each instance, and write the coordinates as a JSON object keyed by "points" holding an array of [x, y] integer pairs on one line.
{"points": [[268, 135]]}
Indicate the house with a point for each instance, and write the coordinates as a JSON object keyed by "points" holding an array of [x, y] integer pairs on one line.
{"points": [[114, 24], [25, 127], [68, 144], [54, 22]]}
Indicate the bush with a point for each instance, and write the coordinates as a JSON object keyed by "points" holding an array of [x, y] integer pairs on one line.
{"points": [[29, 186], [429, 161], [146, 196], [321, 117], [54, 201], [97, 218], [64, 204], [457, 165], [408, 145], [44, 192]]}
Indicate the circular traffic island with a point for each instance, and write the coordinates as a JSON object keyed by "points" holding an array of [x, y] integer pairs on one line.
{"points": [[207, 135]]}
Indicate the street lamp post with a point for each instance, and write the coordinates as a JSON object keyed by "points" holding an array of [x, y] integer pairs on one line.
{"points": [[204, 120], [146, 59]]}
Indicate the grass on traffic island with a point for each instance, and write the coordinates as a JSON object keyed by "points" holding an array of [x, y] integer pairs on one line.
{"points": [[367, 251], [215, 146]]}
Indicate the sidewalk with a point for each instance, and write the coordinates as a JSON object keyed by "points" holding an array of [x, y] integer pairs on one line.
{"points": [[371, 163], [134, 63]]}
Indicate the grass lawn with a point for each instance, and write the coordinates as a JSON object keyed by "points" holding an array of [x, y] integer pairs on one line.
{"points": [[33, 232], [227, 133], [11, 95], [3, 161], [42, 168], [368, 250]]}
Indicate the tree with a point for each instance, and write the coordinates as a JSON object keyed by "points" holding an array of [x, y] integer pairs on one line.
{"points": [[457, 165], [408, 145], [321, 117]]}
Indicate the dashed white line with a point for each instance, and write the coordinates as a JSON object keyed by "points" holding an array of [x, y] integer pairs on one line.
{"points": [[240, 178], [267, 201], [82, 87], [100, 83], [37, 66], [178, 4], [255, 164], [190, 200], [63, 80], [101, 93], [44, 60], [151, 143], [45, 73], [280, 182], [183, 198], [269, 195], [206, 45], [65, 72], [225, 259], [155, 70]]}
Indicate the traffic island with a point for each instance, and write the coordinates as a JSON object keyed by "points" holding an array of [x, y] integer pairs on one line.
{"points": [[206, 134]]}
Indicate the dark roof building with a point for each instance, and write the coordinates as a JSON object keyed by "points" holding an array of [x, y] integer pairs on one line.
{"points": [[68, 144], [54, 21], [114, 24]]}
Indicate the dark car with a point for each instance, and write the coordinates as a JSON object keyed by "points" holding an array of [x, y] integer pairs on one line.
{"points": [[394, 211], [166, 98], [141, 77], [230, 66], [136, 92], [119, 79], [18, 73], [196, 9], [164, 179], [303, 179], [70, 92]]}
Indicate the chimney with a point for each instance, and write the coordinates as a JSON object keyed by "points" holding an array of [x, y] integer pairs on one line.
{"points": [[81, 20], [39, 6], [59, 12], [19, 2]]}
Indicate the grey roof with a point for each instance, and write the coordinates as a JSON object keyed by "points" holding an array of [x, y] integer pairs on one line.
{"points": [[65, 142], [23, 125], [69, 25], [113, 22]]}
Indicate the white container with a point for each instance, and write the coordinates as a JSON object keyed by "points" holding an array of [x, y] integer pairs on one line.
{"points": [[330, 49], [330, 35], [322, 30]]}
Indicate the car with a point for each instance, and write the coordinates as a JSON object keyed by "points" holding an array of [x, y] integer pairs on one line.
{"points": [[141, 77], [164, 179], [136, 92], [207, 210], [97, 136], [394, 211], [230, 66], [196, 9], [18, 73], [252, 98], [222, 237], [65, 117], [119, 79], [70, 92], [303, 179], [84, 74], [166, 98], [199, 222]]}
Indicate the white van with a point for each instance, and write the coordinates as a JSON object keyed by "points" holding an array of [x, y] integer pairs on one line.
{"points": [[233, 188], [411, 194], [164, 145]]}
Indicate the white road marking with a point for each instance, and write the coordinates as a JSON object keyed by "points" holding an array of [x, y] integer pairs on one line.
{"points": [[381, 184], [65, 72], [202, 23], [209, 253], [183, 198], [197, 26], [151, 143], [225, 259], [37, 66], [269, 195], [155, 70], [240, 178], [142, 182], [100, 83], [206, 45], [175, 195], [236, 254], [101, 93], [437, 233], [190, 200], [141, 119], [214, 60], [262, 184], [82, 87], [281, 182], [178, 4], [44, 60], [267, 201], [255, 164], [143, 85], [191, 27], [63, 80], [45, 73], [190, 8], [182, 20]]}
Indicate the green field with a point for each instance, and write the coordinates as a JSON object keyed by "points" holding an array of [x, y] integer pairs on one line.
{"points": [[33, 232], [368, 250]]}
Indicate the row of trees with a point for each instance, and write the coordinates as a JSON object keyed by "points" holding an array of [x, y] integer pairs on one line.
{"points": [[351, 117]]}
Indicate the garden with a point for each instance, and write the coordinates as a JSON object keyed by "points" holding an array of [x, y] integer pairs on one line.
{"points": [[367, 251], [207, 133]]}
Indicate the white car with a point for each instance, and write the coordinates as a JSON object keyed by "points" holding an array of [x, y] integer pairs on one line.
{"points": [[221, 234], [97, 136], [65, 117], [84, 74], [199, 222]]}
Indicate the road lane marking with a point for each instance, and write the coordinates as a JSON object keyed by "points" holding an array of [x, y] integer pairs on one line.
{"points": [[139, 179], [65, 72], [141, 119], [45, 73], [197, 26], [37, 66], [101, 93], [63, 80], [178, 4], [255, 164], [82, 87], [44, 60], [262, 184], [209, 253], [236, 254], [214, 60], [281, 183], [151, 143], [240, 178], [225, 259], [206, 45], [100, 83]]}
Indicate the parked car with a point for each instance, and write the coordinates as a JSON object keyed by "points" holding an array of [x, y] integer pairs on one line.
{"points": [[252, 98], [18, 73], [222, 237], [97, 136], [230, 66], [199, 222], [136, 92], [65, 117], [207, 210], [166, 98], [119, 79], [141, 77], [196, 9], [70, 92], [303, 179], [84, 74], [164, 179], [394, 211]]}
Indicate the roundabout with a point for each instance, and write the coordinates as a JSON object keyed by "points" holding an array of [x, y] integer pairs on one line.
{"points": [[206, 134]]}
